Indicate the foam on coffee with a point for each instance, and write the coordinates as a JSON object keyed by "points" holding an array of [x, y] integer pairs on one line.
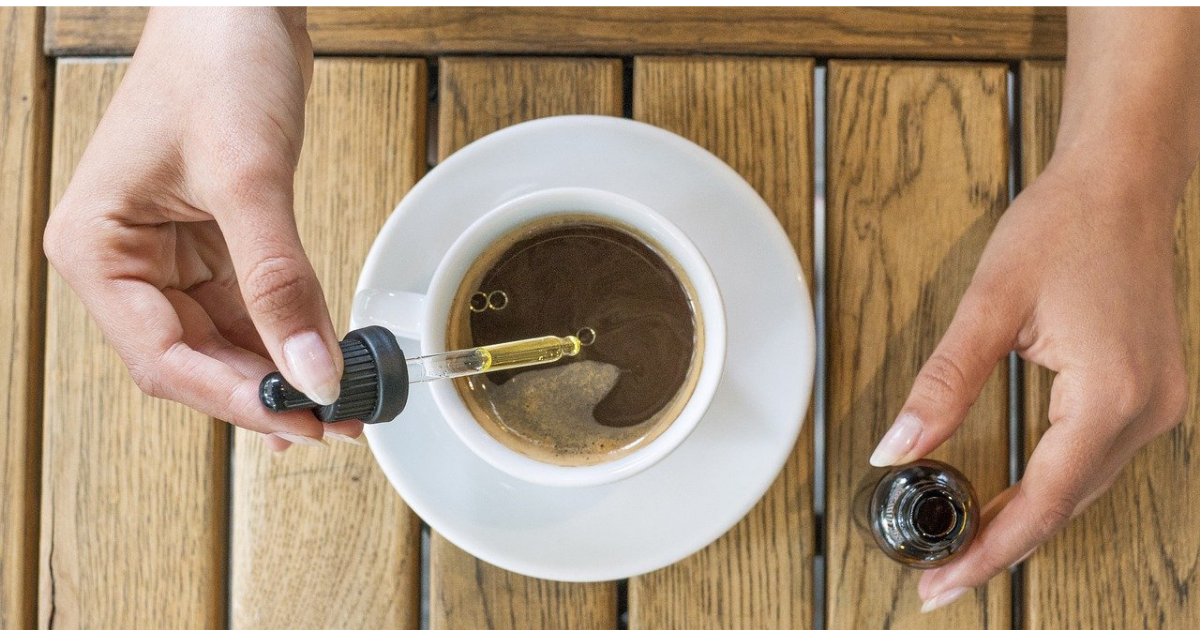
{"points": [[561, 274]]}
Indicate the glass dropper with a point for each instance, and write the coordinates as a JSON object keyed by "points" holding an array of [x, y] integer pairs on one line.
{"points": [[500, 356], [376, 374]]}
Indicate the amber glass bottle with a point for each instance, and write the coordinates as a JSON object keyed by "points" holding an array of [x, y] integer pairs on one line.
{"points": [[920, 514]]}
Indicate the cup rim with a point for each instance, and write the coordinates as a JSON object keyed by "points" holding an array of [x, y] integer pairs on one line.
{"points": [[574, 201]]}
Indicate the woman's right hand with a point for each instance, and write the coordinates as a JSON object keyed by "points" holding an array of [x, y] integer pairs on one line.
{"points": [[177, 229]]}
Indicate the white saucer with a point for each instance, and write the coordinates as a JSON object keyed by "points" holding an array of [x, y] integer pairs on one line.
{"points": [[706, 485]]}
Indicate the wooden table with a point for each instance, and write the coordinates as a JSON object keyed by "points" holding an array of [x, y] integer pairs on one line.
{"points": [[120, 511]]}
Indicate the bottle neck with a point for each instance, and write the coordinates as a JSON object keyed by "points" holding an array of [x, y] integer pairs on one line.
{"points": [[923, 513]]}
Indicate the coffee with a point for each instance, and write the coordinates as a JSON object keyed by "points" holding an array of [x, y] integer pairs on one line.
{"points": [[558, 276]]}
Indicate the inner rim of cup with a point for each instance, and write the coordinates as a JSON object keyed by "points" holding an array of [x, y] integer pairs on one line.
{"points": [[613, 208], [656, 423]]}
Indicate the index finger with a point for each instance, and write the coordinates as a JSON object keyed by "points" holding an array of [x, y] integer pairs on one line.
{"points": [[146, 329]]}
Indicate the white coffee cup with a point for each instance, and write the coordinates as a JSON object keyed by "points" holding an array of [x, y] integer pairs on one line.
{"points": [[424, 317]]}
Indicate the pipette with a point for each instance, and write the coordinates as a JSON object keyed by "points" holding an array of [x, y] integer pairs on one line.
{"points": [[376, 375]]}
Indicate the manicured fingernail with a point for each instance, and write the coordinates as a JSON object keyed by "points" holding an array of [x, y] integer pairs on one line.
{"points": [[312, 367], [302, 440], [357, 441], [938, 601], [898, 441]]}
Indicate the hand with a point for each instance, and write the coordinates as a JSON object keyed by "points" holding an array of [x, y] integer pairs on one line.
{"points": [[177, 229], [1077, 277]]}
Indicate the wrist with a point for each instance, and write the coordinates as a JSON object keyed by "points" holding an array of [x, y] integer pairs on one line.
{"points": [[1125, 178]]}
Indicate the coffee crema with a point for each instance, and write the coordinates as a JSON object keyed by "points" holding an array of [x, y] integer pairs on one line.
{"points": [[559, 275]]}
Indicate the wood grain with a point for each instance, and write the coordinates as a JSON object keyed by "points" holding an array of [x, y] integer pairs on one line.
{"points": [[926, 33], [134, 507], [918, 172], [756, 114], [1130, 559], [1041, 105], [469, 593], [320, 539], [478, 96], [24, 170]]}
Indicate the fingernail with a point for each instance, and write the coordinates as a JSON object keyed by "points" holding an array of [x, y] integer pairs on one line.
{"points": [[938, 601], [312, 366], [357, 441], [302, 440], [898, 441]]}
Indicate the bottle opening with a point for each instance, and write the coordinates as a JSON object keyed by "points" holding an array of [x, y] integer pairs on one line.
{"points": [[935, 516]]}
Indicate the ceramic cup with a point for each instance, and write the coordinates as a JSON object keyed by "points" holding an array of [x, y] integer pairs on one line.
{"points": [[424, 317]]}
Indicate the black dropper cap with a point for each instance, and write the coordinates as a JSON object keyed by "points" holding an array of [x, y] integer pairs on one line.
{"points": [[374, 382]]}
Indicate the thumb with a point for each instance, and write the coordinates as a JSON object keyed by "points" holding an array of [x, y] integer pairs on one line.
{"points": [[980, 335], [281, 291]]}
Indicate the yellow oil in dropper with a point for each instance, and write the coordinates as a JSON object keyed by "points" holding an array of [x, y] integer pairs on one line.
{"points": [[500, 356], [373, 388]]}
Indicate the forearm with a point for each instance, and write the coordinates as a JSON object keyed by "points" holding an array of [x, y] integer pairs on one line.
{"points": [[1131, 101]]}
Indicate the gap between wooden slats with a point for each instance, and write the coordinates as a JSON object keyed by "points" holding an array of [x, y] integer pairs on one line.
{"points": [[320, 539], [917, 178], [1130, 559], [24, 171], [478, 96], [755, 114], [134, 521]]}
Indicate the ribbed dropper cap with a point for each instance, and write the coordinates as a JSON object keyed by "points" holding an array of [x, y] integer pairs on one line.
{"points": [[374, 385]]}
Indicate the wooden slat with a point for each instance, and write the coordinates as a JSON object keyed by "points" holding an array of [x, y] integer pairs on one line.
{"points": [[320, 539], [1041, 105], [918, 172], [1129, 561], [926, 33], [133, 530], [24, 167], [756, 114], [479, 96], [469, 593]]}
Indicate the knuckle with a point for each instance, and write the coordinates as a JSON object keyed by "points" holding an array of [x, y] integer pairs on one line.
{"points": [[248, 167], [993, 299], [83, 228], [1131, 396], [981, 303], [276, 284], [152, 373], [1173, 400], [244, 182], [991, 561], [240, 412], [147, 380], [54, 240], [1125, 393], [941, 379], [1051, 513], [61, 239]]}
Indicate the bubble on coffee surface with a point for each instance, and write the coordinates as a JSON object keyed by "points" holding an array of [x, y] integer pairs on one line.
{"points": [[633, 316], [497, 300]]}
